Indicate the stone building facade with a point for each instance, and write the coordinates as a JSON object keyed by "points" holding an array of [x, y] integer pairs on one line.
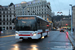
{"points": [[7, 13], [36, 7]]}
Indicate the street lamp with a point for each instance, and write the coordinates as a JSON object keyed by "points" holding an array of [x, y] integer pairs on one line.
{"points": [[23, 10], [71, 20]]}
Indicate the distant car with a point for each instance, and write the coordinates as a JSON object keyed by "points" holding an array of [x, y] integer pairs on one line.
{"points": [[61, 30], [58, 29], [53, 29]]}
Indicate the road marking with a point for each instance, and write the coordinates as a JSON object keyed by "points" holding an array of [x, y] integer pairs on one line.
{"points": [[63, 47], [6, 36]]}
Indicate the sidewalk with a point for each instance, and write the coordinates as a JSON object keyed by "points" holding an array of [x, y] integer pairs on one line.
{"points": [[7, 32], [71, 38]]}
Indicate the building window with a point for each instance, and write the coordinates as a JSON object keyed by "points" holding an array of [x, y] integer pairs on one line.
{"points": [[10, 19], [3, 28], [10, 28], [3, 23], [7, 28], [0, 23], [3, 12], [7, 19], [4, 16], [0, 15], [10, 23], [10, 8], [45, 12], [42, 12], [10, 12], [42, 9], [10, 15], [3, 19], [7, 12], [0, 12], [7, 16], [0, 19], [7, 23]]}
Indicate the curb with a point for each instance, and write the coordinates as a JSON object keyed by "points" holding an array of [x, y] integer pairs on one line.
{"points": [[71, 40]]}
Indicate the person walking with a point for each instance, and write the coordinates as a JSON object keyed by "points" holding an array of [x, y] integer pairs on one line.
{"points": [[0, 30]]}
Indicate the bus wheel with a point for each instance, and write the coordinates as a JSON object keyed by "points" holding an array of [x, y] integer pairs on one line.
{"points": [[40, 37]]}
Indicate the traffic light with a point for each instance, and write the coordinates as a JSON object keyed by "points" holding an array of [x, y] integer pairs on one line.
{"points": [[66, 24], [47, 25]]}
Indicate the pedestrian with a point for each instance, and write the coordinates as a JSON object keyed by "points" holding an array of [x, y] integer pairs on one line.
{"points": [[0, 33], [73, 29], [0, 30]]}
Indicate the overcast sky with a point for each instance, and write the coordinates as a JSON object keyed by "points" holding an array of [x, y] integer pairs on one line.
{"points": [[56, 5]]}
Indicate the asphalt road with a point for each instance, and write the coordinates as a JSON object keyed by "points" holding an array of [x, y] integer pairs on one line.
{"points": [[55, 41]]}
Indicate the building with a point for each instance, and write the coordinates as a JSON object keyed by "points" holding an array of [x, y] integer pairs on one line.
{"points": [[7, 13], [36, 7], [61, 21], [66, 22], [73, 9]]}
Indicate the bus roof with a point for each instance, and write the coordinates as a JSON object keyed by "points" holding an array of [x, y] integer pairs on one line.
{"points": [[31, 15]]}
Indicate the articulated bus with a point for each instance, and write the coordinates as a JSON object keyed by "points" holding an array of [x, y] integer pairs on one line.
{"points": [[30, 27]]}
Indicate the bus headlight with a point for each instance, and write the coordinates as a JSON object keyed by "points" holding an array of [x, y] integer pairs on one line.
{"points": [[16, 34], [34, 34]]}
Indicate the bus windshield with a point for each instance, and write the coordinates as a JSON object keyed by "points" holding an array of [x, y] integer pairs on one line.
{"points": [[25, 24]]}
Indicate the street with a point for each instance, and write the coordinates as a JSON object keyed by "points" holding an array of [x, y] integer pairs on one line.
{"points": [[55, 41]]}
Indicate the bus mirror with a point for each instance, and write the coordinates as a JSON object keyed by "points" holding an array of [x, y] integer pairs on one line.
{"points": [[14, 20]]}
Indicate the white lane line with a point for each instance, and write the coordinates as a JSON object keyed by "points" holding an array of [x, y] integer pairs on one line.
{"points": [[62, 47]]}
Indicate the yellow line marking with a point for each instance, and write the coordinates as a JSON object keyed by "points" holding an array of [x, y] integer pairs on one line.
{"points": [[6, 36]]}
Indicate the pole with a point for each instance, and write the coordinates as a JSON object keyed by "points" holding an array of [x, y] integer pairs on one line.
{"points": [[71, 22]]}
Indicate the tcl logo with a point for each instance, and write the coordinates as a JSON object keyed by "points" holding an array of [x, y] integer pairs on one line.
{"points": [[31, 34]]}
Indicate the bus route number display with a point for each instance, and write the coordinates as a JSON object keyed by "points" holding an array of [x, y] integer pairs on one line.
{"points": [[19, 18]]}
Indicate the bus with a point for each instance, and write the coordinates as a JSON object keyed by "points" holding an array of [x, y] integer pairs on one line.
{"points": [[30, 27]]}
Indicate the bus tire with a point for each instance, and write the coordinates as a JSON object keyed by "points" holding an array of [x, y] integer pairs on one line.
{"points": [[40, 37], [46, 35]]}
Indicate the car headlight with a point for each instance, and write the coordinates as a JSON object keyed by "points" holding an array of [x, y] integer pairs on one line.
{"points": [[16, 34], [34, 34]]}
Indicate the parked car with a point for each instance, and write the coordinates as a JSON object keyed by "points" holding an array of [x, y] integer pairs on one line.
{"points": [[58, 29]]}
